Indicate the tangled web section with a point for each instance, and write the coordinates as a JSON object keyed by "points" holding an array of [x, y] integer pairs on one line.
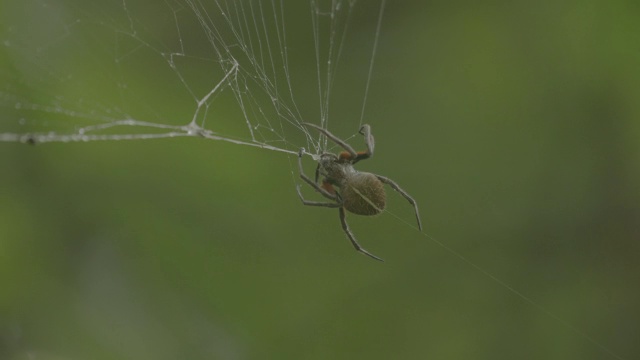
{"points": [[246, 72]]}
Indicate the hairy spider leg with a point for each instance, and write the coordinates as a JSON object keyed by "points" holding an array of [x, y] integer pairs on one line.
{"points": [[349, 153], [314, 185], [335, 139], [365, 131], [360, 155], [352, 238], [397, 188]]}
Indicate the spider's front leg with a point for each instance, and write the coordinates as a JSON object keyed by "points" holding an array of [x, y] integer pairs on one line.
{"points": [[365, 131], [352, 153]]}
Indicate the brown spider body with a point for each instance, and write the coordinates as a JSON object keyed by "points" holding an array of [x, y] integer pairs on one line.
{"points": [[361, 193]]}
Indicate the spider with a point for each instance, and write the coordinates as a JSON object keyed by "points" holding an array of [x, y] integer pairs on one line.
{"points": [[361, 193]]}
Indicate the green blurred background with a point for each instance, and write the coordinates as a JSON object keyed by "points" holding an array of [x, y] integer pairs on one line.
{"points": [[514, 125]]}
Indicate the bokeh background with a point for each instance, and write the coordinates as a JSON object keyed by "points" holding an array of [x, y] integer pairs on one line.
{"points": [[515, 125]]}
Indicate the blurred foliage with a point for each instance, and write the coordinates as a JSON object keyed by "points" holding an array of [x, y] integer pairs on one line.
{"points": [[514, 125]]}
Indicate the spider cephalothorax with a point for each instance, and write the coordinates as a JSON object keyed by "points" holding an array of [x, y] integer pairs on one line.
{"points": [[361, 193]]}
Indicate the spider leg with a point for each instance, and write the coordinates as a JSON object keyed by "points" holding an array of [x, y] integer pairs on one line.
{"points": [[365, 130], [354, 242], [335, 139], [304, 177], [397, 188], [317, 173], [316, 203]]}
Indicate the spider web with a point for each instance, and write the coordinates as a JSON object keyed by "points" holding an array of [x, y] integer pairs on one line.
{"points": [[245, 72]]}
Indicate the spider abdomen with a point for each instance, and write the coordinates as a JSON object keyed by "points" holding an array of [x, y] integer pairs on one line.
{"points": [[363, 194]]}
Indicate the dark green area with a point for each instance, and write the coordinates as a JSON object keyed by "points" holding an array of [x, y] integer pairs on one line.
{"points": [[515, 125]]}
